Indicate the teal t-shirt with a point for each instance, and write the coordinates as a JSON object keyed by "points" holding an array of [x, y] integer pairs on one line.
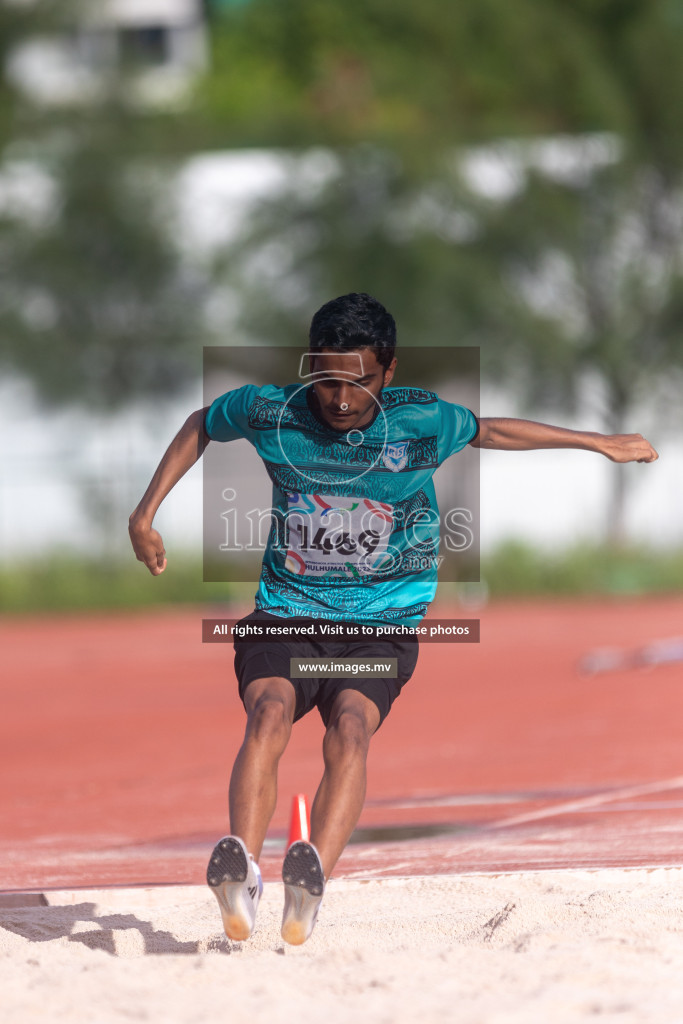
{"points": [[355, 528]]}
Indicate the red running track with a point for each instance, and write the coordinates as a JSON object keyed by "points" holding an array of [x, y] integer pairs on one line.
{"points": [[117, 735]]}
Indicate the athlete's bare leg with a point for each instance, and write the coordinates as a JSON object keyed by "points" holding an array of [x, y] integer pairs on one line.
{"points": [[270, 705], [341, 793]]}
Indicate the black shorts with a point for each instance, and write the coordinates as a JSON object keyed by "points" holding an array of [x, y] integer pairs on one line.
{"points": [[258, 659]]}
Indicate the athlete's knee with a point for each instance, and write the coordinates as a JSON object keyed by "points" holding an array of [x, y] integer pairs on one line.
{"points": [[269, 720], [347, 736]]}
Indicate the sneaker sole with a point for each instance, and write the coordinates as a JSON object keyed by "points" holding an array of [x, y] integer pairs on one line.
{"points": [[304, 886], [225, 876]]}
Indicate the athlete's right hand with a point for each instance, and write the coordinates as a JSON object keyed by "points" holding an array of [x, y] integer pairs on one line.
{"points": [[148, 546]]}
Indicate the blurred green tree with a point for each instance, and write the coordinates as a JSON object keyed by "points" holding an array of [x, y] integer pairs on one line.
{"points": [[98, 308], [97, 305], [416, 77]]}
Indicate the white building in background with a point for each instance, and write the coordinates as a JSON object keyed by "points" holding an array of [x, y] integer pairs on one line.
{"points": [[161, 44]]}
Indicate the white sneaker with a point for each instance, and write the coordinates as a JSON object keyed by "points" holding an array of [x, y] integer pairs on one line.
{"points": [[304, 881], [234, 878]]}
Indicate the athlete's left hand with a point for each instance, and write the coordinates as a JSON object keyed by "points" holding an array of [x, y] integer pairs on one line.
{"points": [[627, 448], [147, 545]]}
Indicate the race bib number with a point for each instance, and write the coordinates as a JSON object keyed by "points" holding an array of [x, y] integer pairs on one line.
{"points": [[329, 535]]}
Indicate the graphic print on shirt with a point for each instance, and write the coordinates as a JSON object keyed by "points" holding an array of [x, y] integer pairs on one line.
{"points": [[395, 456], [328, 535]]}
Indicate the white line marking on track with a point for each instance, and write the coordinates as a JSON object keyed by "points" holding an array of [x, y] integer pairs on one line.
{"points": [[590, 801]]}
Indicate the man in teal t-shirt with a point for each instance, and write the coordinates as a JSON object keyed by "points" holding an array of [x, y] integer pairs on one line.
{"points": [[354, 539]]}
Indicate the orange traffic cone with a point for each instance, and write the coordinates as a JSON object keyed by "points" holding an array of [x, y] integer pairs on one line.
{"points": [[300, 822]]}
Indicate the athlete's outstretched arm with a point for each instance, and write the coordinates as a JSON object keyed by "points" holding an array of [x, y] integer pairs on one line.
{"points": [[513, 435], [186, 447]]}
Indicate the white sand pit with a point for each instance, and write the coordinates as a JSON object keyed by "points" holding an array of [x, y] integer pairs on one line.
{"points": [[547, 947]]}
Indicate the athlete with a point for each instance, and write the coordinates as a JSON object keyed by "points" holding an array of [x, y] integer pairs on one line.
{"points": [[354, 539]]}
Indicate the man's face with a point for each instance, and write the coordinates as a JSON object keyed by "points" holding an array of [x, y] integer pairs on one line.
{"points": [[347, 385]]}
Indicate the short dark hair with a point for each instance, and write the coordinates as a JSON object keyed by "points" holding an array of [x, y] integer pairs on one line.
{"points": [[354, 321]]}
